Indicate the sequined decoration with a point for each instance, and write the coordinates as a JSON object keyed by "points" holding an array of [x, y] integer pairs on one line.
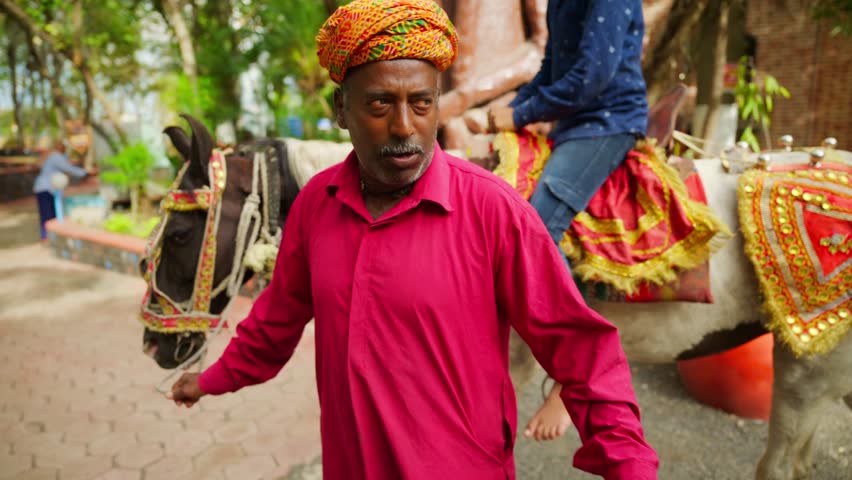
{"points": [[797, 224]]}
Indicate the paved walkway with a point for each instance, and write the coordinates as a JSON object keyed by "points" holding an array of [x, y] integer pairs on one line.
{"points": [[77, 398]]}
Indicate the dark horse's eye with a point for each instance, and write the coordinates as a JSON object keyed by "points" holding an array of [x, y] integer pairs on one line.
{"points": [[180, 236]]}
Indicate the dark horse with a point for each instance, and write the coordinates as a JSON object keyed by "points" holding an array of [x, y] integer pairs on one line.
{"points": [[184, 232]]}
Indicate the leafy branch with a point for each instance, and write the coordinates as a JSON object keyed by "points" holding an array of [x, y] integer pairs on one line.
{"points": [[756, 102]]}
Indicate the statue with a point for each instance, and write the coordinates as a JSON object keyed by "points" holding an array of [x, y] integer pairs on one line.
{"points": [[517, 29]]}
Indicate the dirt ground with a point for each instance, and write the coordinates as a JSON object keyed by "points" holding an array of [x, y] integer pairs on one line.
{"points": [[694, 441]]}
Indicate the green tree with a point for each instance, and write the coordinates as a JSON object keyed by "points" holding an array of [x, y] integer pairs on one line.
{"points": [[755, 99], [287, 49], [129, 171], [82, 49]]}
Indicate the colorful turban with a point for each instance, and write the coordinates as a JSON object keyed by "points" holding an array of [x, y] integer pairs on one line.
{"points": [[373, 30]]}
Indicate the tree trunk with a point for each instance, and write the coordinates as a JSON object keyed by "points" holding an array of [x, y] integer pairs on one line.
{"points": [[11, 55], [174, 17], [60, 103], [719, 61], [330, 6], [657, 64]]}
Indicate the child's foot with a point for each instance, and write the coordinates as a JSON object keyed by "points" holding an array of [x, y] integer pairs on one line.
{"points": [[551, 421]]}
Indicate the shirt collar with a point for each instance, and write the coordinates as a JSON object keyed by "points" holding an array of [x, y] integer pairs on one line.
{"points": [[433, 185]]}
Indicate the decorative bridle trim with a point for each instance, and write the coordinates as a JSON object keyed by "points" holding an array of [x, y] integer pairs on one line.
{"points": [[255, 229], [159, 311]]}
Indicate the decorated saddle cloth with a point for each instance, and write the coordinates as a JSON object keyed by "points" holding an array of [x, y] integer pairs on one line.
{"points": [[646, 235], [798, 232]]}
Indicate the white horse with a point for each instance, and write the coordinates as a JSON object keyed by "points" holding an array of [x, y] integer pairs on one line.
{"points": [[664, 332], [650, 332]]}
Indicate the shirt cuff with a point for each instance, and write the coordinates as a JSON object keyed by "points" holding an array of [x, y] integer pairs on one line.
{"points": [[216, 380], [632, 470], [523, 114]]}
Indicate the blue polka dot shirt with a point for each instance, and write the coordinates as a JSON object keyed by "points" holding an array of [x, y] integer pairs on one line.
{"points": [[590, 81]]}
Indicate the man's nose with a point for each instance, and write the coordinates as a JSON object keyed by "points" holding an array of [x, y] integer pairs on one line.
{"points": [[402, 125]]}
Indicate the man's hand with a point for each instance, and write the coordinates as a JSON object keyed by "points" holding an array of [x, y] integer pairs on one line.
{"points": [[186, 390], [500, 119]]}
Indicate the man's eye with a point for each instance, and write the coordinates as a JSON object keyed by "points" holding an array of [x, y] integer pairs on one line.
{"points": [[380, 102], [423, 103]]}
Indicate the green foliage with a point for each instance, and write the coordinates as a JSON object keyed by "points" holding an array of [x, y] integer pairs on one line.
{"points": [[124, 224], [756, 102], [837, 12], [178, 96], [289, 29], [132, 167]]}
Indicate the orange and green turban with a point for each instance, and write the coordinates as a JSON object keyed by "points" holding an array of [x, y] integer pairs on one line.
{"points": [[366, 31]]}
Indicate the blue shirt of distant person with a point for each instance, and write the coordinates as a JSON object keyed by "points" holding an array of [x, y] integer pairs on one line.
{"points": [[57, 162]]}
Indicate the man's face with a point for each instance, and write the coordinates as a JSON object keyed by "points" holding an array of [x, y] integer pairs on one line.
{"points": [[391, 111]]}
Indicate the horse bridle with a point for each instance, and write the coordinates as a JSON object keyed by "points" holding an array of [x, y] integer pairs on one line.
{"points": [[160, 312]]}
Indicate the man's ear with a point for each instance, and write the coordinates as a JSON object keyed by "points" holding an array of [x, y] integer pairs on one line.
{"points": [[338, 108]]}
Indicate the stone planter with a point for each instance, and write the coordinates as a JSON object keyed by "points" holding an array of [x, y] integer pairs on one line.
{"points": [[111, 251]]}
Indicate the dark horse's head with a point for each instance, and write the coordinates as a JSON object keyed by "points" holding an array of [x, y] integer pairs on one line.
{"points": [[175, 325]]}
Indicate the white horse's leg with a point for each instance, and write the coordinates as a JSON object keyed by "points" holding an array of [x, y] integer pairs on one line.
{"points": [[802, 389], [776, 462]]}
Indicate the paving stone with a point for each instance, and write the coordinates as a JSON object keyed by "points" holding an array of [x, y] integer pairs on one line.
{"points": [[49, 420], [159, 431], [86, 469], [9, 419], [252, 410], [188, 444], [39, 474], [139, 456], [295, 451], [216, 458], [205, 421], [83, 401], [113, 411], [134, 422], [60, 455], [12, 465], [121, 474], [251, 468], [85, 431], [264, 442], [169, 466], [233, 432], [37, 443], [215, 403], [113, 443]]}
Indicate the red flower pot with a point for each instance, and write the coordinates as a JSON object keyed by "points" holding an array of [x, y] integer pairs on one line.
{"points": [[738, 381]]}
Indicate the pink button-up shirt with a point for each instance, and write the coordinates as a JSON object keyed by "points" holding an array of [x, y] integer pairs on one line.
{"points": [[412, 328]]}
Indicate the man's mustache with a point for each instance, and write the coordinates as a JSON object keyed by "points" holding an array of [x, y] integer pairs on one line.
{"points": [[400, 149]]}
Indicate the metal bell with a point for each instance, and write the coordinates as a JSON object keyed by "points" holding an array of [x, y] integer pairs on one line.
{"points": [[817, 155], [829, 142], [786, 142]]}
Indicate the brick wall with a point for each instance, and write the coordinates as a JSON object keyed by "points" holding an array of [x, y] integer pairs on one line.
{"points": [[815, 67]]}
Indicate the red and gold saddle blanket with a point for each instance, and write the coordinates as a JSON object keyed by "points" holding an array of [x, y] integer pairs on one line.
{"points": [[798, 230], [642, 231]]}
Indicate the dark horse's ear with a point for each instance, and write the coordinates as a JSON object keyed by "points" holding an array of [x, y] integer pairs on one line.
{"points": [[200, 150], [179, 140]]}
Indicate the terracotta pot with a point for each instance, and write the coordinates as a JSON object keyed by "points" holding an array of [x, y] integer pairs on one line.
{"points": [[737, 381]]}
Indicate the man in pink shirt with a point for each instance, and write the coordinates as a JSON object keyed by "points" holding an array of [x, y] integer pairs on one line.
{"points": [[415, 264]]}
